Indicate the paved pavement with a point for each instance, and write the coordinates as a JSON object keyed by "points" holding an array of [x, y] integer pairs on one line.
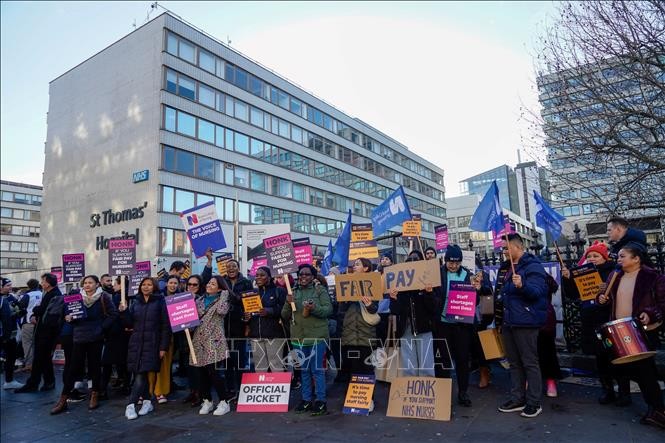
{"points": [[573, 416]]}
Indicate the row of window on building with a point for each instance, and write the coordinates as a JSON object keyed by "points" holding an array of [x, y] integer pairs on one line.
{"points": [[192, 53], [191, 89], [24, 231], [19, 214], [18, 246], [20, 197], [18, 263]]}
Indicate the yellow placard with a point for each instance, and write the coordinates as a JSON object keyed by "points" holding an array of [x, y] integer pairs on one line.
{"points": [[411, 228], [588, 283], [359, 395], [410, 276], [251, 302], [362, 232], [363, 249], [350, 287], [425, 398]]}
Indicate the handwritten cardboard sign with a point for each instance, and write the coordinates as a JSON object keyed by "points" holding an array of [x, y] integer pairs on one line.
{"points": [[425, 398], [351, 287], [411, 276], [461, 303], [182, 311], [264, 392], [359, 395], [74, 306], [588, 281], [251, 302], [122, 256], [411, 228], [281, 255]]}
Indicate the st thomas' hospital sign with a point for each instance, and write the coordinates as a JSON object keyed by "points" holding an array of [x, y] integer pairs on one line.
{"points": [[110, 217]]}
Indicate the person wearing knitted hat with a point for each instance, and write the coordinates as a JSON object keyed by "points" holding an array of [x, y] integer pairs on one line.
{"points": [[452, 339], [593, 315]]}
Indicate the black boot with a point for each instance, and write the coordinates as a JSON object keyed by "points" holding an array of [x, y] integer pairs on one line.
{"points": [[624, 393], [608, 395], [463, 399]]}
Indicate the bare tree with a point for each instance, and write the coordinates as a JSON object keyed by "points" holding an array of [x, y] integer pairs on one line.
{"points": [[601, 79]]}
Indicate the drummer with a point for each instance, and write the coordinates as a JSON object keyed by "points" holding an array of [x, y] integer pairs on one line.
{"points": [[639, 292]]}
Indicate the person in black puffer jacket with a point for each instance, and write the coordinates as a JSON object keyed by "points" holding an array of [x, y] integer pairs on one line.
{"points": [[151, 336], [265, 327], [234, 327], [88, 337], [115, 347]]}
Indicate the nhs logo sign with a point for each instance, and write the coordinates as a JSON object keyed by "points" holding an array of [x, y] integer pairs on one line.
{"points": [[141, 176]]}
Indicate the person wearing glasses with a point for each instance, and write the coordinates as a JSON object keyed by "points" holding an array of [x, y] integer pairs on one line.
{"points": [[309, 333]]}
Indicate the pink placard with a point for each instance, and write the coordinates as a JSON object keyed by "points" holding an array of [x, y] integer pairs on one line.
{"points": [[461, 303], [182, 311], [441, 236]]}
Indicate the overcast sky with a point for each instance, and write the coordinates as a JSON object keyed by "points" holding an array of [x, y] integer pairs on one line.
{"points": [[445, 79]]}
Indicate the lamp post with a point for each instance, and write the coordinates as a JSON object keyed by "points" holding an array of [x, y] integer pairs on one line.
{"points": [[579, 242], [535, 247], [470, 244]]}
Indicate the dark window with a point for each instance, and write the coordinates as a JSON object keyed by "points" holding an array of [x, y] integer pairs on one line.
{"points": [[169, 159], [205, 168], [241, 79], [255, 85], [185, 162]]}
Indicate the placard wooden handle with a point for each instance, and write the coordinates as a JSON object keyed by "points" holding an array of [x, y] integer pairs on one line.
{"points": [[122, 290], [191, 346]]}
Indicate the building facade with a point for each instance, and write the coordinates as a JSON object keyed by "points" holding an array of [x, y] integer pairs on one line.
{"points": [[460, 211], [506, 181], [19, 231], [168, 118]]}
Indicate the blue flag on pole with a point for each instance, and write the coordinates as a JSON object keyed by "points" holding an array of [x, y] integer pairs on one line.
{"points": [[393, 211], [326, 264], [546, 217], [341, 256], [488, 215]]}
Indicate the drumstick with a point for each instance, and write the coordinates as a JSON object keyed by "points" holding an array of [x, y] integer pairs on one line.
{"points": [[609, 287]]}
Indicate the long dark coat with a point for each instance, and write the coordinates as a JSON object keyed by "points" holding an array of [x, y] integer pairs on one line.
{"points": [[151, 333]]}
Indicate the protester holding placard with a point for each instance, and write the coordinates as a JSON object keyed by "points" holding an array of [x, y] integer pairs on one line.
{"points": [[210, 346], [359, 329], [265, 329], [234, 327], [88, 336], [149, 342], [309, 332], [160, 382], [195, 285], [593, 315], [115, 346], [453, 338]]}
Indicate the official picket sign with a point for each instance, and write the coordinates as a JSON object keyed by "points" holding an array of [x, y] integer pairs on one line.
{"points": [[204, 229], [351, 287], [587, 280], [412, 275], [303, 251], [359, 395], [122, 256], [365, 248], [182, 311], [251, 302], [222, 261], [264, 392], [141, 271], [280, 253], [361, 232], [74, 306], [441, 237], [73, 267], [57, 271], [425, 398], [461, 303]]}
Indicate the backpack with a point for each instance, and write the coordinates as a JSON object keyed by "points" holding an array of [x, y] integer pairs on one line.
{"points": [[54, 314]]}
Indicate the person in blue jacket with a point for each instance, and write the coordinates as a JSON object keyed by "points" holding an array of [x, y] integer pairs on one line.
{"points": [[524, 295]]}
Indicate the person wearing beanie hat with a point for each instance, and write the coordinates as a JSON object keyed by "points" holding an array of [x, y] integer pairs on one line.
{"points": [[430, 253], [452, 339], [598, 248]]}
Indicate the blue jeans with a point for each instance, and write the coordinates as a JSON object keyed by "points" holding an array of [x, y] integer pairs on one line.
{"points": [[310, 359]]}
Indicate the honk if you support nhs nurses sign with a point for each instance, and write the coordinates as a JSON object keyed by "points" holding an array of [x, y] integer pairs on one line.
{"points": [[203, 228]]}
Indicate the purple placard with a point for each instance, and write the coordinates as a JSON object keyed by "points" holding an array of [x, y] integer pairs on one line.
{"points": [[280, 253], [74, 306], [441, 236], [122, 256], [182, 311], [461, 303], [141, 271], [73, 267]]}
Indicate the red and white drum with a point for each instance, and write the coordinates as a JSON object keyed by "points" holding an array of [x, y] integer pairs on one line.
{"points": [[626, 339]]}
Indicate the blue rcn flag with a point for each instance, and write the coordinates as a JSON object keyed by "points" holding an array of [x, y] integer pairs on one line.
{"points": [[392, 212], [341, 256], [546, 217], [326, 264], [488, 215]]}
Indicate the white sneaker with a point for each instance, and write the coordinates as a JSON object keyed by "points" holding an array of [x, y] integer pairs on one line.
{"points": [[371, 406], [12, 385], [146, 407], [222, 408], [130, 412], [80, 385], [206, 407]]}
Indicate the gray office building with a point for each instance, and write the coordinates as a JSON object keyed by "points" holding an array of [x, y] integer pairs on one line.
{"points": [[168, 117]]}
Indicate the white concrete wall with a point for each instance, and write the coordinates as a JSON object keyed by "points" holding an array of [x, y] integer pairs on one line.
{"points": [[103, 124]]}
